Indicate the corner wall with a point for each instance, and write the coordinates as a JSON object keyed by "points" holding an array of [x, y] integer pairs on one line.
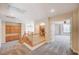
{"points": [[75, 31]]}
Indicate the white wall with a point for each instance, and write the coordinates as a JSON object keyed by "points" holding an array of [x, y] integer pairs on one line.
{"points": [[0, 32]]}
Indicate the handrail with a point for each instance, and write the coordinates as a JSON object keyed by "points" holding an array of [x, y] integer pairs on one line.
{"points": [[26, 40], [31, 39]]}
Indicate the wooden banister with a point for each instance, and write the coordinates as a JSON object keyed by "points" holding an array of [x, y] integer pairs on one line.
{"points": [[32, 39], [26, 40]]}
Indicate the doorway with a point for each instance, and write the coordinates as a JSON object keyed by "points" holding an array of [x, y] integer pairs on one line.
{"points": [[61, 35]]}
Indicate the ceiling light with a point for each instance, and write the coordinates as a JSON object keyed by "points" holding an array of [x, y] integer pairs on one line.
{"points": [[42, 24], [52, 11]]}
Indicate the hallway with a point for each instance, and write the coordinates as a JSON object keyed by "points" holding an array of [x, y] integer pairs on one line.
{"points": [[31, 24]]}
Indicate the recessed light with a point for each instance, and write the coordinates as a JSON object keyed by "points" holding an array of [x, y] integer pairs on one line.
{"points": [[42, 24], [52, 10]]}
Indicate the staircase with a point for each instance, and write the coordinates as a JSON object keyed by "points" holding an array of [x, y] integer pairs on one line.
{"points": [[26, 40], [32, 41]]}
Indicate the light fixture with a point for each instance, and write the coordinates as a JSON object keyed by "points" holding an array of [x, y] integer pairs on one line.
{"points": [[52, 10], [64, 22], [42, 24]]}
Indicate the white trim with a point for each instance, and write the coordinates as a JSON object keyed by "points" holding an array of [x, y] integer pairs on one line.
{"points": [[74, 50], [35, 47]]}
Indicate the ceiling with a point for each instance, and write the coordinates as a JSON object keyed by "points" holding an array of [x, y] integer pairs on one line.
{"points": [[37, 11]]}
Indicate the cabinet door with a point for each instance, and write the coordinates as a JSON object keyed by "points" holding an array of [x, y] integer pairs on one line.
{"points": [[13, 31]]}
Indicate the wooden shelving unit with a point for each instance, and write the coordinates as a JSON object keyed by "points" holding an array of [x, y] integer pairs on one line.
{"points": [[13, 31]]}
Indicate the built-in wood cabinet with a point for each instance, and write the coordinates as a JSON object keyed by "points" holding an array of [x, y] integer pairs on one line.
{"points": [[13, 31]]}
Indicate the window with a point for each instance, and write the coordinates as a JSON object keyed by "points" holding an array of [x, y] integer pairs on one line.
{"points": [[66, 28], [29, 27]]}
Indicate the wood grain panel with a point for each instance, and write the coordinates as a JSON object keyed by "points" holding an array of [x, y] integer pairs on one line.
{"points": [[13, 31]]}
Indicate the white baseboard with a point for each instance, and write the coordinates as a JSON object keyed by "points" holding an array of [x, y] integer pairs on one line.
{"points": [[74, 51], [35, 47]]}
